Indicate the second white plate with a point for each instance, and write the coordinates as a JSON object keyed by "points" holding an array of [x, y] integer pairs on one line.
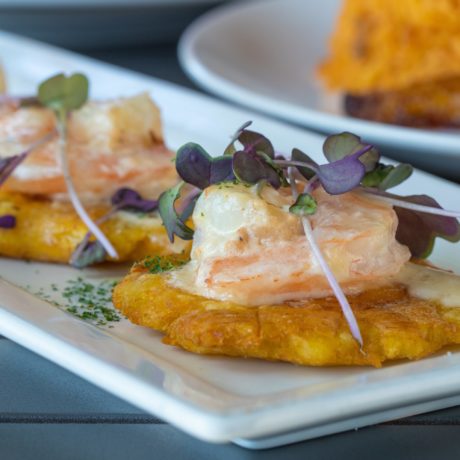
{"points": [[264, 54]]}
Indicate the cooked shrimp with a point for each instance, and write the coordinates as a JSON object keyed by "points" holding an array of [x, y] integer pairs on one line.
{"points": [[110, 145], [251, 250]]}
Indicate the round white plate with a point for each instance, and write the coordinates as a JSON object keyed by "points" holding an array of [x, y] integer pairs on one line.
{"points": [[263, 54]]}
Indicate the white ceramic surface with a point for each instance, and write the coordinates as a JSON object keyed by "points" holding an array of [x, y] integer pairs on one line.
{"points": [[263, 55], [255, 403]]}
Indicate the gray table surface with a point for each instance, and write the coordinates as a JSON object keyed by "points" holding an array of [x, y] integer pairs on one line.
{"points": [[48, 413]]}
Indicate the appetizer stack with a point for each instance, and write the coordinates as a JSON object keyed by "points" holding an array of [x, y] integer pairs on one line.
{"points": [[68, 166], [397, 61], [315, 264]]}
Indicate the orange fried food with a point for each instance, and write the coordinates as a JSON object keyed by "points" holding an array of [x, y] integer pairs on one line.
{"points": [[312, 332], [50, 230], [387, 45]]}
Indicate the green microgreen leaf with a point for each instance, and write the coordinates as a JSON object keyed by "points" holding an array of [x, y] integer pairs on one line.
{"points": [[338, 146], [384, 176], [62, 93], [172, 221], [375, 177], [396, 176], [305, 205]]}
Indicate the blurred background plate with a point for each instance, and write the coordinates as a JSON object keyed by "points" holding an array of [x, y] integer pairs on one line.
{"points": [[264, 54], [90, 24]]}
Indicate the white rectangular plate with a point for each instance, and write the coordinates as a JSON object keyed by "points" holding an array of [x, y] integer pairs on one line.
{"points": [[254, 403]]}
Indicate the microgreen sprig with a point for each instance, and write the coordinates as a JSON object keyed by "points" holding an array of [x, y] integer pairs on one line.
{"points": [[63, 94], [89, 252]]}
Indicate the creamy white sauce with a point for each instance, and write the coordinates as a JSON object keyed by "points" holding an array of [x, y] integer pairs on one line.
{"points": [[431, 284]]}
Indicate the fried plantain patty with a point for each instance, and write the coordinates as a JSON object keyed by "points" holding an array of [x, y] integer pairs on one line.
{"points": [[49, 231], [312, 332]]}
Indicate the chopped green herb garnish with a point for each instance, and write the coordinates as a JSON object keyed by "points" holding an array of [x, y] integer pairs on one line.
{"points": [[159, 264], [86, 300]]}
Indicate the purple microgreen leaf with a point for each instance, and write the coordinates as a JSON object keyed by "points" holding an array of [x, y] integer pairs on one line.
{"points": [[250, 168], [307, 171], [129, 200], [254, 142], [251, 141], [341, 176], [7, 221], [196, 167], [231, 149], [338, 146], [418, 230], [171, 219], [193, 164], [221, 170], [88, 253], [304, 205], [421, 219]]}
